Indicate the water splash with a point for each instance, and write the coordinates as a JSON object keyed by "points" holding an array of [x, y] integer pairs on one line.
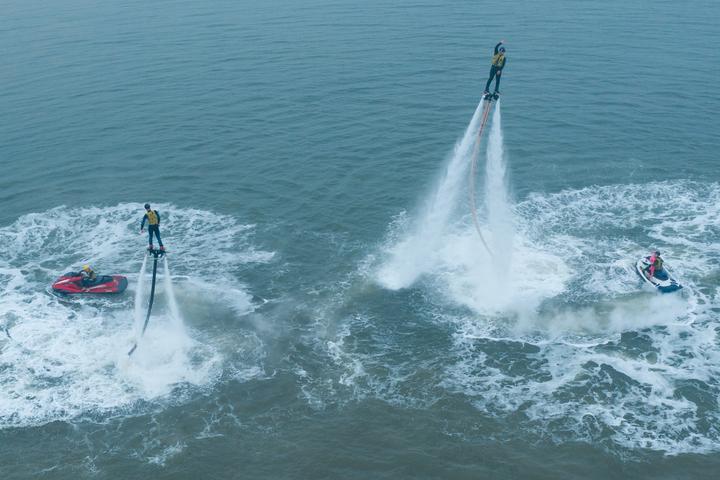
{"points": [[175, 315], [445, 247], [498, 205], [68, 357], [139, 308], [473, 175], [417, 252]]}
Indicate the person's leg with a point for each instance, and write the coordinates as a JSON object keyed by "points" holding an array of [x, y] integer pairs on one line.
{"points": [[157, 234], [497, 81], [490, 79], [150, 236]]}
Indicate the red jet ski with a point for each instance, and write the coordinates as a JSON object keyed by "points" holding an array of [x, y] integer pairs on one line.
{"points": [[72, 282]]}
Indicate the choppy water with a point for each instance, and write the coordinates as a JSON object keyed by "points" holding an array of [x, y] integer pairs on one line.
{"points": [[330, 311]]}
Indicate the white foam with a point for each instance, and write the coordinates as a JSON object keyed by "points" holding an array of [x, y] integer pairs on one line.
{"points": [[584, 369], [446, 248], [68, 357], [595, 355]]}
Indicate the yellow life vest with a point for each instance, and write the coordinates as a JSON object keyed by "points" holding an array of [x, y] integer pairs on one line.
{"points": [[88, 273], [498, 60], [152, 217]]}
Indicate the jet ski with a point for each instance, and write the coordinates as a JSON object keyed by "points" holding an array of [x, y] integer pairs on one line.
{"points": [[72, 283], [662, 280]]}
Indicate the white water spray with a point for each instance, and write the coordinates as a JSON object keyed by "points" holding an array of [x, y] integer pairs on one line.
{"points": [[446, 246], [497, 202], [416, 253], [176, 321], [139, 310], [473, 277], [66, 359], [172, 302]]}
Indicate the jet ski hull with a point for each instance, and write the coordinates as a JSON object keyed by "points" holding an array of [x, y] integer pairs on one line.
{"points": [[72, 284], [663, 281]]}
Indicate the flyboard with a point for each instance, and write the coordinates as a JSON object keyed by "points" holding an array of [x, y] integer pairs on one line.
{"points": [[662, 280], [156, 254], [487, 100]]}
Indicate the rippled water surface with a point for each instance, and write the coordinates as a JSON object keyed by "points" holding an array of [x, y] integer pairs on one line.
{"points": [[337, 313]]}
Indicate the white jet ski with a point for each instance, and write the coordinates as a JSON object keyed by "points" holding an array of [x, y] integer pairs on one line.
{"points": [[662, 280]]}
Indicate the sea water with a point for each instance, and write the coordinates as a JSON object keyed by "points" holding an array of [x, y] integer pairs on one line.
{"points": [[327, 309]]}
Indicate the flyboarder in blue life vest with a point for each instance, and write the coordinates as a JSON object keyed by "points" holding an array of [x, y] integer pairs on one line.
{"points": [[496, 66], [153, 219]]}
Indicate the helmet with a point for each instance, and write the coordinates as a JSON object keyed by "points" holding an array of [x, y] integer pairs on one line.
{"points": [[657, 252], [87, 268], [147, 206], [501, 49]]}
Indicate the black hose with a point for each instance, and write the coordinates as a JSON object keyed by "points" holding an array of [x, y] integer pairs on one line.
{"points": [[152, 297]]}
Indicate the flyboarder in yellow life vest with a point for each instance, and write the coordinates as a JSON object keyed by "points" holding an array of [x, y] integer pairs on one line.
{"points": [[153, 219], [496, 66]]}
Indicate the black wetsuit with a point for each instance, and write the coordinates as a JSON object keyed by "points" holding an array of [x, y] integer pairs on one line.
{"points": [[153, 227], [498, 63]]}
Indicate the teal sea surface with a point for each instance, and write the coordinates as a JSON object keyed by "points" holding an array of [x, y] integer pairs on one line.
{"points": [[327, 308]]}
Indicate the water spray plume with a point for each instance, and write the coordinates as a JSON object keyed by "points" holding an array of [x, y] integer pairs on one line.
{"points": [[139, 295], [486, 107], [414, 255], [172, 302]]}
